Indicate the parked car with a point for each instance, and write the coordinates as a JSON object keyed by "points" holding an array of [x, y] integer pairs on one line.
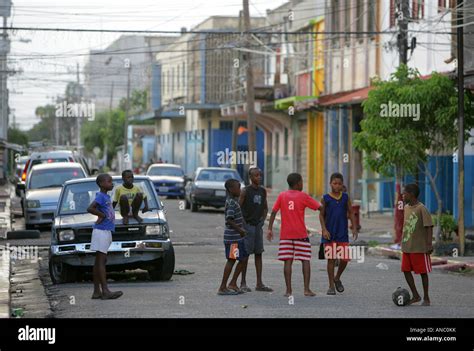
{"points": [[37, 158], [145, 245], [168, 179], [206, 187], [20, 165], [43, 187]]}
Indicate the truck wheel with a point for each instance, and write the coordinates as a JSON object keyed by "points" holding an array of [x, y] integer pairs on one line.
{"points": [[164, 267], [62, 273], [194, 207]]}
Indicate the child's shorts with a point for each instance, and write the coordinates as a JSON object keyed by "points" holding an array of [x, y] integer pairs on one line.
{"points": [[101, 240], [420, 263], [294, 249], [337, 251], [236, 251]]}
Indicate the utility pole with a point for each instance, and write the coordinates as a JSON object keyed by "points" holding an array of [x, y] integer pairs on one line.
{"points": [[250, 85], [128, 66], [403, 16], [460, 65], [235, 119], [78, 101]]}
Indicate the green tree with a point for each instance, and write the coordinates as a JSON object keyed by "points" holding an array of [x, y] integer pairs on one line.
{"points": [[17, 136], [401, 146]]}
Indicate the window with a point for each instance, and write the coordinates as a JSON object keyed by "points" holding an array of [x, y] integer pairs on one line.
{"points": [[371, 13], [335, 22], [418, 9], [359, 19], [285, 150], [277, 149], [347, 20], [203, 136], [392, 13]]}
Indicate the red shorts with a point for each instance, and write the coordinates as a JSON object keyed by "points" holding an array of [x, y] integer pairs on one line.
{"points": [[335, 250], [416, 262], [294, 249]]}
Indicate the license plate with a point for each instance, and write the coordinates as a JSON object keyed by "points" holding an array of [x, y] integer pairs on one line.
{"points": [[163, 189], [220, 193]]}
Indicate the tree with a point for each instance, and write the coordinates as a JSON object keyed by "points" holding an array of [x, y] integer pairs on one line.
{"points": [[17, 136], [403, 145]]}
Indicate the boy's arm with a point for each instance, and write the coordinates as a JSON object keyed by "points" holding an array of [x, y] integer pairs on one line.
{"points": [[145, 208], [270, 226], [242, 197], [429, 239], [233, 225], [350, 214], [92, 209], [265, 208], [322, 220]]}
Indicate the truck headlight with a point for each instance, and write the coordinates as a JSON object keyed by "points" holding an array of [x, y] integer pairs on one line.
{"points": [[66, 235], [32, 203], [160, 229]]}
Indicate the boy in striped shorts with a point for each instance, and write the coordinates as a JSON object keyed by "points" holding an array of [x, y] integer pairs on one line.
{"points": [[294, 241]]}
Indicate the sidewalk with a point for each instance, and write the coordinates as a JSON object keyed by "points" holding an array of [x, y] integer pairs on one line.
{"points": [[5, 226]]}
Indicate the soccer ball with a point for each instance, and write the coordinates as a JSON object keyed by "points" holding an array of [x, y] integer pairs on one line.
{"points": [[401, 297]]}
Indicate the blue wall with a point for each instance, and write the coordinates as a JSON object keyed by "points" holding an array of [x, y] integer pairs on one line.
{"points": [[468, 189]]}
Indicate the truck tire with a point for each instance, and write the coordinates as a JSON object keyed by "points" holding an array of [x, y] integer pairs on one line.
{"points": [[164, 267], [62, 273]]}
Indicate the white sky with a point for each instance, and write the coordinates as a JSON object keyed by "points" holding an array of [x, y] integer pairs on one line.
{"points": [[45, 77]]}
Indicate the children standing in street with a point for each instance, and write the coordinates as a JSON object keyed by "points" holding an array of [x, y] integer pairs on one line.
{"points": [[416, 242], [253, 201], [234, 234], [334, 216], [294, 241], [102, 237], [130, 198]]}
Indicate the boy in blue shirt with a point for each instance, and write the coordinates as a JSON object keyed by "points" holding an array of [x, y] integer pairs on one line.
{"points": [[334, 216], [102, 237]]}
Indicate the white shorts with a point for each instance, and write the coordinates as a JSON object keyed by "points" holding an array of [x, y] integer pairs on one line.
{"points": [[101, 240]]}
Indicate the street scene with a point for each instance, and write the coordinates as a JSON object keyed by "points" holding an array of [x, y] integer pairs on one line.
{"points": [[237, 159]]}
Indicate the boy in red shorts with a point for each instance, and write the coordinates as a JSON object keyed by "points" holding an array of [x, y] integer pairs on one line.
{"points": [[294, 241], [416, 242]]}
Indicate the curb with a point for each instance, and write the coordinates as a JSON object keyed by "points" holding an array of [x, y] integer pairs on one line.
{"points": [[438, 263], [4, 285]]}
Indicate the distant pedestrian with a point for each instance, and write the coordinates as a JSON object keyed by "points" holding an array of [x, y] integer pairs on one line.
{"points": [[294, 240], [253, 201], [234, 234], [334, 216], [417, 242], [102, 237]]}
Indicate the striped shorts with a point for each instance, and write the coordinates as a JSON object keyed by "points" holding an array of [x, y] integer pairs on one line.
{"points": [[294, 249]]}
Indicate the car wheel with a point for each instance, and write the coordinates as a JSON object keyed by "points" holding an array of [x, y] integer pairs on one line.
{"points": [[194, 207], [164, 267], [62, 273]]}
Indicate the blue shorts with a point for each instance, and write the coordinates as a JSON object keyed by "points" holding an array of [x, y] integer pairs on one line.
{"points": [[236, 251]]}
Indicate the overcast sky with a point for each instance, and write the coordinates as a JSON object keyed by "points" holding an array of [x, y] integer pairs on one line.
{"points": [[48, 59]]}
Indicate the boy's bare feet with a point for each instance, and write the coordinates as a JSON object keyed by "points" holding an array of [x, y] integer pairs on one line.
{"points": [[414, 299], [96, 295], [309, 293], [426, 303], [125, 220], [111, 295], [138, 218]]}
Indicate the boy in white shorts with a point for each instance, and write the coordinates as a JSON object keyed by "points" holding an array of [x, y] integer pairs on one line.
{"points": [[102, 237]]}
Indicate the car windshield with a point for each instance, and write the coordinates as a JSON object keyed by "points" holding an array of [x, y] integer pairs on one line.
{"points": [[165, 171], [218, 175], [53, 177], [77, 197]]}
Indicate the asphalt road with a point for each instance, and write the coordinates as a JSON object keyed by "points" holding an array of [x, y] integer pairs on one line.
{"points": [[199, 249]]}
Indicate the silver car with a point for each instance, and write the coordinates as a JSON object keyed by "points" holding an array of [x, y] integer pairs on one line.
{"points": [[43, 187]]}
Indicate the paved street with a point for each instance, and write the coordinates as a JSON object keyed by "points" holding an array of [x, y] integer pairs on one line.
{"points": [[198, 238]]}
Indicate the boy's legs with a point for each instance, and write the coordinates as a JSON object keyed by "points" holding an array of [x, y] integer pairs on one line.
{"points": [[307, 277], [238, 270], [243, 282], [227, 270], [136, 203], [287, 274], [258, 269], [411, 283], [342, 266], [96, 277], [330, 270], [426, 298], [124, 208]]}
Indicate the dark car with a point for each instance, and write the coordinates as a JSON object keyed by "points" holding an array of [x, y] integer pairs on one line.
{"points": [[145, 245], [168, 179], [206, 187]]}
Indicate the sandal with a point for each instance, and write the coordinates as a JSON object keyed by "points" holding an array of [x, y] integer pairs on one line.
{"points": [[96, 296], [226, 292], [263, 288], [339, 286], [331, 291], [237, 290], [245, 289], [114, 295]]}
